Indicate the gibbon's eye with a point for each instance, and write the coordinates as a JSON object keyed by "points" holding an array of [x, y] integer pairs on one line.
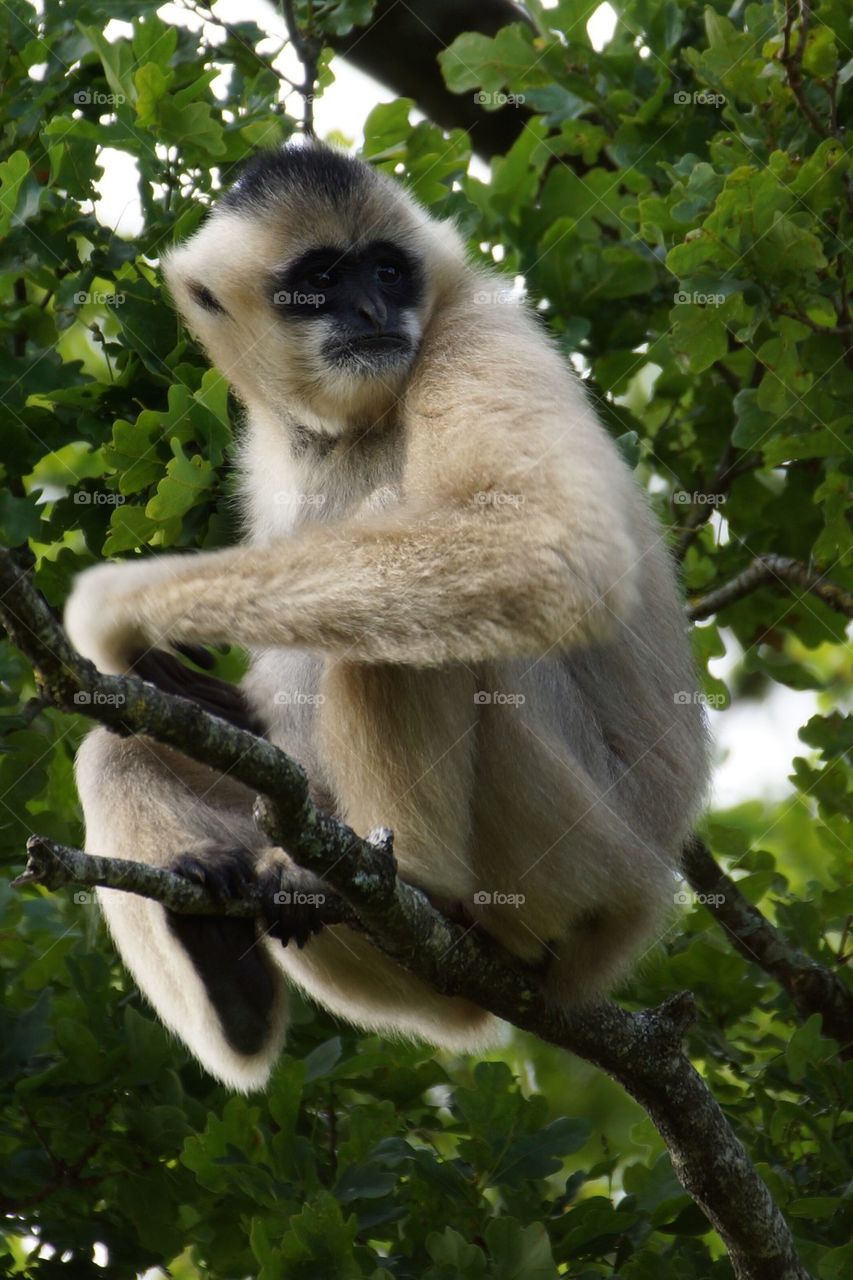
{"points": [[205, 298], [388, 273]]}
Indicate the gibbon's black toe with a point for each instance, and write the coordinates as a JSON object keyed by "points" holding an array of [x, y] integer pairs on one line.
{"points": [[293, 901]]}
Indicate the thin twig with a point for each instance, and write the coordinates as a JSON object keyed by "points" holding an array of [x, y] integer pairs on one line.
{"points": [[308, 48], [792, 61], [772, 569], [812, 987]]}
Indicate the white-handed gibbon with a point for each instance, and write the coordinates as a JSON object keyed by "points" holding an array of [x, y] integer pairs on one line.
{"points": [[462, 620]]}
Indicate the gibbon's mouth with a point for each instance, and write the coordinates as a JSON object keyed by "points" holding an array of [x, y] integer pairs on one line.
{"points": [[370, 350]]}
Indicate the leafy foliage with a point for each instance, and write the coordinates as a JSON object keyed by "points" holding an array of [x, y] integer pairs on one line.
{"points": [[679, 204]]}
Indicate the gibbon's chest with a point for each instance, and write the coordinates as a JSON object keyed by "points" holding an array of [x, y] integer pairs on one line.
{"points": [[308, 479]]}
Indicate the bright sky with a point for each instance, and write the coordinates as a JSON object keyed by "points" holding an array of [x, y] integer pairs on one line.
{"points": [[755, 742]]}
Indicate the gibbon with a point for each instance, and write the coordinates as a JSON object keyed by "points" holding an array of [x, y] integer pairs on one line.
{"points": [[462, 621]]}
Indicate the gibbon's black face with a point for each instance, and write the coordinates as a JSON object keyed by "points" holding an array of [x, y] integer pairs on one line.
{"points": [[365, 298]]}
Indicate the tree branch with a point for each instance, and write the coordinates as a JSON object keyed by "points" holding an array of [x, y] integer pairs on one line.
{"points": [[770, 568], [812, 987], [400, 45], [308, 48], [642, 1051], [792, 61], [55, 865]]}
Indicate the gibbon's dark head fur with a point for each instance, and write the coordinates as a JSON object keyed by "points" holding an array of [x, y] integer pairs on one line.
{"points": [[311, 283]]}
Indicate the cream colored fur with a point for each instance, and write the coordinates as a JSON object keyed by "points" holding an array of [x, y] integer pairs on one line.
{"points": [[470, 530]]}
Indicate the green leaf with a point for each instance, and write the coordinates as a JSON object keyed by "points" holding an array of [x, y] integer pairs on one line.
{"points": [[699, 335], [473, 60], [520, 1253], [13, 173], [185, 481]]}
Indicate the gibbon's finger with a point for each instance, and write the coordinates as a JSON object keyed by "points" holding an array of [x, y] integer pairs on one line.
{"points": [[197, 653], [218, 697]]}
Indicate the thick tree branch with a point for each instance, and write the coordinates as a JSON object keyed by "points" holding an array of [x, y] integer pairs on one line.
{"points": [[812, 987], [400, 45], [642, 1051], [772, 569], [54, 865]]}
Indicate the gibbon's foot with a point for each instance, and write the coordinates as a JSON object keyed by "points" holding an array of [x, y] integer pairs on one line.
{"points": [[235, 970], [225, 873], [293, 902], [452, 908]]}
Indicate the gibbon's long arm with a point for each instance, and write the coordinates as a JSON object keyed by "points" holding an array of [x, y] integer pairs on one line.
{"points": [[455, 586]]}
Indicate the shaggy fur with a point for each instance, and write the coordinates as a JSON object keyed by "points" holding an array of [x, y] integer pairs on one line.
{"points": [[463, 620]]}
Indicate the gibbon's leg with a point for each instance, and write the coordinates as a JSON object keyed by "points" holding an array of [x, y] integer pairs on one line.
{"points": [[210, 981], [398, 747], [572, 873]]}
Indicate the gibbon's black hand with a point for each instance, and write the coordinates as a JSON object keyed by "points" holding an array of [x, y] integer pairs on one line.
{"points": [[216, 696]]}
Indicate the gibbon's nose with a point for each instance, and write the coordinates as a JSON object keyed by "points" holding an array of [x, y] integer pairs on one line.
{"points": [[370, 307]]}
